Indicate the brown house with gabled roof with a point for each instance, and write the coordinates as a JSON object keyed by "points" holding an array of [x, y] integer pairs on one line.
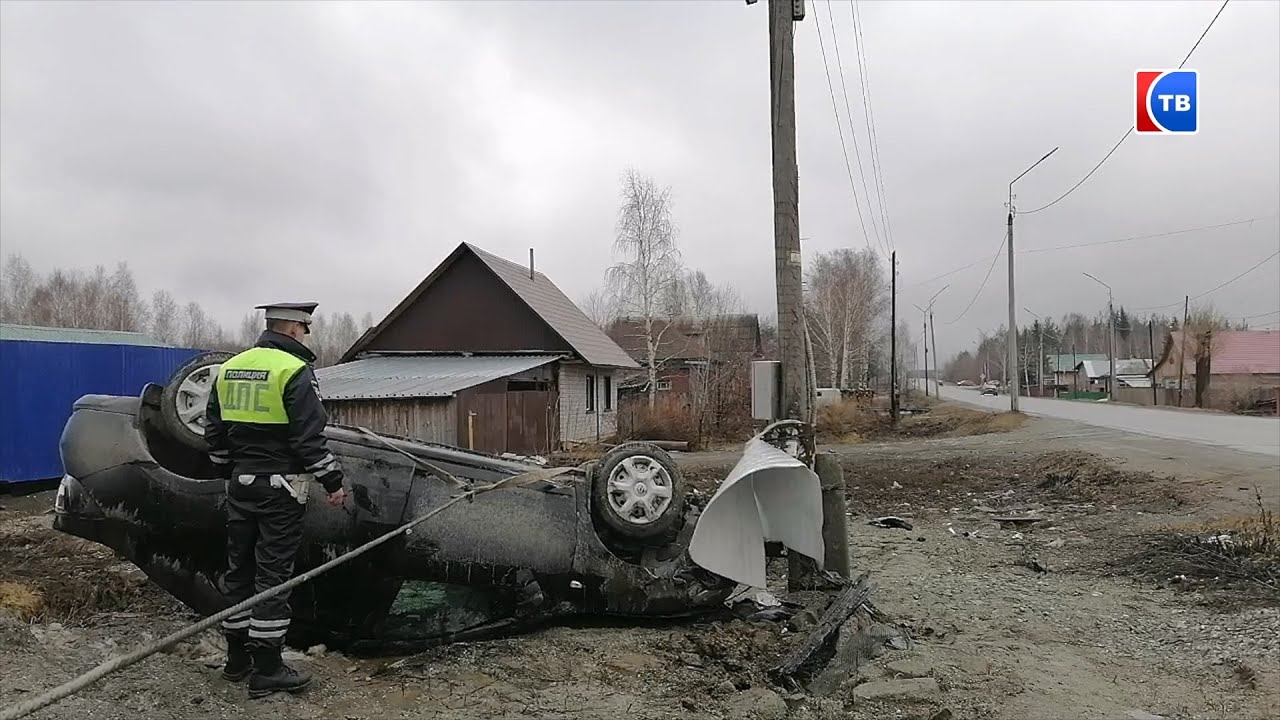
{"points": [[484, 353], [686, 348]]}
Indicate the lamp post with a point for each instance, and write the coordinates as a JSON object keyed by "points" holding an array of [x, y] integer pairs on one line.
{"points": [[1040, 360], [927, 313], [1012, 341], [1111, 338]]}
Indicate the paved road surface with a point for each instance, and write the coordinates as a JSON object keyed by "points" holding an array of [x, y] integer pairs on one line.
{"points": [[1248, 434]]}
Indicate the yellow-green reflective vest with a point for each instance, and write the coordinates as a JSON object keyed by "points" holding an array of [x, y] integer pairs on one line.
{"points": [[250, 386]]}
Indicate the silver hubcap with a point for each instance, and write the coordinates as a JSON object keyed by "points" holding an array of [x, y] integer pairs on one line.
{"points": [[639, 490], [193, 395]]}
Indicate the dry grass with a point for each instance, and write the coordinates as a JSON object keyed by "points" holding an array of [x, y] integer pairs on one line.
{"points": [[577, 454], [1237, 552], [21, 600], [53, 577], [850, 422], [668, 419], [847, 422]]}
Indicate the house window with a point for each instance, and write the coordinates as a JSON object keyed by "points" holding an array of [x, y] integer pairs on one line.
{"points": [[608, 392], [664, 385], [591, 393]]}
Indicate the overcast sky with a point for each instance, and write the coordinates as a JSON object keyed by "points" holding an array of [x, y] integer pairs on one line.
{"points": [[237, 153]]}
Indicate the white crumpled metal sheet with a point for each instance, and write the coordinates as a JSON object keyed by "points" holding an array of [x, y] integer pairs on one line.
{"points": [[768, 496]]}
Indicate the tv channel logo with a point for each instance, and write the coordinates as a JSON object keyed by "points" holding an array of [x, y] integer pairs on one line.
{"points": [[1167, 102]]}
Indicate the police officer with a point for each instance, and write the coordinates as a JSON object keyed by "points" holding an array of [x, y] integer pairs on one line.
{"points": [[266, 432]]}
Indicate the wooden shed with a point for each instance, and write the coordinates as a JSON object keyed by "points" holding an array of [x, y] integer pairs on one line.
{"points": [[493, 403]]}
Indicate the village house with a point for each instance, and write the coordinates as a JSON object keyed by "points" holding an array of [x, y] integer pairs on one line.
{"points": [[688, 351], [1092, 375], [1063, 368], [484, 353], [1238, 360]]}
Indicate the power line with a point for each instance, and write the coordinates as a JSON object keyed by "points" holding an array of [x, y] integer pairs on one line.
{"points": [[984, 281], [876, 168], [844, 91], [1216, 226], [1246, 272], [1206, 32], [945, 274], [1129, 132], [1250, 317], [853, 188], [1143, 237], [1219, 287]]}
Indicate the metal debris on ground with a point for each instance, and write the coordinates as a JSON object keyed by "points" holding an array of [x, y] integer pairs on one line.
{"points": [[1018, 521], [1034, 564], [845, 606], [892, 521]]}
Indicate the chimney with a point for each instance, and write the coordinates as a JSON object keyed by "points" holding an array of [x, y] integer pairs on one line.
{"points": [[530, 263]]}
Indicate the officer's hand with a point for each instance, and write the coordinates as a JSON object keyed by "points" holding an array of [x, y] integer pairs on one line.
{"points": [[337, 497]]}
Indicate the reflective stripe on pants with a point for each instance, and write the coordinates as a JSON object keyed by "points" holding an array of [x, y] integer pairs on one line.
{"points": [[264, 532]]}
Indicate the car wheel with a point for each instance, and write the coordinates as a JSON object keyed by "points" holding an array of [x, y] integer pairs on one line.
{"points": [[638, 492], [182, 405]]}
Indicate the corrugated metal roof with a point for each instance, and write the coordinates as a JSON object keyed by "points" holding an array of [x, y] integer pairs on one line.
{"points": [[1124, 368], [418, 376], [1095, 368], [1066, 362], [33, 333], [1233, 352], [558, 311], [1132, 367]]}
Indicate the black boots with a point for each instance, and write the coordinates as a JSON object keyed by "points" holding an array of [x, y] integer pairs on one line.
{"points": [[239, 661], [271, 675]]}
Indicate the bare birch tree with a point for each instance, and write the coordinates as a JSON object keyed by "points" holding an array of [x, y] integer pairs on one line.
{"points": [[166, 325], [642, 281], [19, 282], [251, 326], [125, 310], [345, 333], [844, 293], [598, 306]]}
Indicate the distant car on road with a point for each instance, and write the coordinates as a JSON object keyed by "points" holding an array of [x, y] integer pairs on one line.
{"points": [[990, 390]]}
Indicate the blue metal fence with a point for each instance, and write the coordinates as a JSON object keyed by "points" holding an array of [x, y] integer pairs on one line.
{"points": [[39, 382]]}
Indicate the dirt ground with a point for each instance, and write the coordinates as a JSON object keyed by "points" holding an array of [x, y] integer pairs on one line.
{"points": [[1070, 616]]}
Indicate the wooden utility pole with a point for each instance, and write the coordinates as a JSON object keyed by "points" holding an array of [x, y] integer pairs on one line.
{"points": [[934, 337], [793, 346], [924, 336], [1182, 354], [796, 403], [1011, 335], [1151, 343], [893, 336], [1040, 364]]}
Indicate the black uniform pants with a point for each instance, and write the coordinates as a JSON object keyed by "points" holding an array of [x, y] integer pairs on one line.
{"points": [[264, 532]]}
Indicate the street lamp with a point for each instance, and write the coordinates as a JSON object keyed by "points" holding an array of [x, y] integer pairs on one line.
{"points": [[1040, 361], [1013, 327], [1111, 338], [927, 313]]}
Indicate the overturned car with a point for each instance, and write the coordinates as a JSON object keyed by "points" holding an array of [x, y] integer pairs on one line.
{"points": [[610, 537]]}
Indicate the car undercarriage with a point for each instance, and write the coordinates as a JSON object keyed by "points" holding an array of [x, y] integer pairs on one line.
{"points": [[542, 548]]}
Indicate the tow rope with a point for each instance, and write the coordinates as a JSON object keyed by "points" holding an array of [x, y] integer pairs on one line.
{"points": [[119, 662]]}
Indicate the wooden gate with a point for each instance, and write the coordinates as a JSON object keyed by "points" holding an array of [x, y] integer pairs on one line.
{"points": [[521, 421], [529, 419]]}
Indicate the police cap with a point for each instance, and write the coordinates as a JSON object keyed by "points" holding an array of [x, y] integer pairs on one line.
{"points": [[294, 312]]}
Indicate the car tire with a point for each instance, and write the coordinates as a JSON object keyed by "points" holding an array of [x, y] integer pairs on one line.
{"points": [[638, 492], [182, 403]]}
